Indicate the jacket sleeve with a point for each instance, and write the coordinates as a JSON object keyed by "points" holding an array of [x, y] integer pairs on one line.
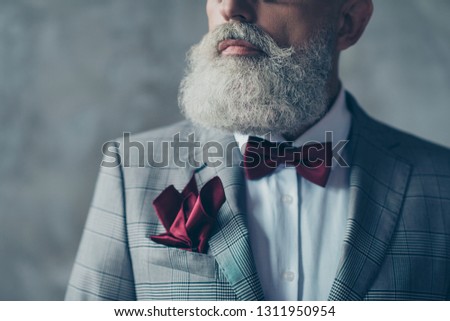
{"points": [[102, 269]]}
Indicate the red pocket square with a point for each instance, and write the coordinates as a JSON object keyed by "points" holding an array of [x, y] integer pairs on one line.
{"points": [[189, 216]]}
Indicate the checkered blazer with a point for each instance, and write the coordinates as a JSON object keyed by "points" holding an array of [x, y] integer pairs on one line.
{"points": [[397, 243]]}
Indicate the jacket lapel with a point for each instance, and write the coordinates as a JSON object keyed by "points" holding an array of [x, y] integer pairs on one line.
{"points": [[378, 182], [229, 243]]}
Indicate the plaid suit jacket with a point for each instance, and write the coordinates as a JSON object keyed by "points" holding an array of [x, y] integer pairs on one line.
{"points": [[397, 243]]}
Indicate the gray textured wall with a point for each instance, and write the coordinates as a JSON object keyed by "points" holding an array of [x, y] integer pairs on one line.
{"points": [[75, 73]]}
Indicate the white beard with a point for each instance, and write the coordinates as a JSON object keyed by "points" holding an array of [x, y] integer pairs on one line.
{"points": [[283, 92]]}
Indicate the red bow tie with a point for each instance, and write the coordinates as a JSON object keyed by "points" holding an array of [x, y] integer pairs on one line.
{"points": [[311, 161]]}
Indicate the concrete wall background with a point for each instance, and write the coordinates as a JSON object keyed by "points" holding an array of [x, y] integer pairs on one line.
{"points": [[76, 73]]}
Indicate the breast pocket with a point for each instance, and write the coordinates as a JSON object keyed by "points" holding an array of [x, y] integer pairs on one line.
{"points": [[185, 261]]}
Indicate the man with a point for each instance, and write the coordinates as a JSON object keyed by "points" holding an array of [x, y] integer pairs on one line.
{"points": [[378, 229]]}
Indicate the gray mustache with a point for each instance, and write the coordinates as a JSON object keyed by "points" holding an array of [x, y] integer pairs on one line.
{"points": [[250, 33]]}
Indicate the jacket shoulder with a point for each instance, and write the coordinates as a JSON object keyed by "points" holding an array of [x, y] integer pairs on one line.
{"points": [[424, 156], [141, 149], [182, 128]]}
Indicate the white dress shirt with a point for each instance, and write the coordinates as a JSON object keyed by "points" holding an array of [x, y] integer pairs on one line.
{"points": [[296, 227]]}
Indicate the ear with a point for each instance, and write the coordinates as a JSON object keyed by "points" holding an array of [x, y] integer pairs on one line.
{"points": [[353, 18]]}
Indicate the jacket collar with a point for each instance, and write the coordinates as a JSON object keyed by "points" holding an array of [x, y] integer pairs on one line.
{"points": [[229, 243], [378, 182]]}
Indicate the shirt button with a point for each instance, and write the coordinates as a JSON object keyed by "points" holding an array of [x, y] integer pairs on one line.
{"points": [[289, 276], [287, 199]]}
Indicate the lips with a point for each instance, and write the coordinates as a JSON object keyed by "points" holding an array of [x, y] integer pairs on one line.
{"points": [[233, 47]]}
